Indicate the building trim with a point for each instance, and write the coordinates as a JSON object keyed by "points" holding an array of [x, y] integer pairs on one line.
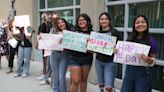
{"points": [[59, 8], [126, 1], [151, 30]]}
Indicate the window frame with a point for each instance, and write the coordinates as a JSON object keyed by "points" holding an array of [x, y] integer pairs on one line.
{"points": [[125, 29], [74, 7], [126, 17]]}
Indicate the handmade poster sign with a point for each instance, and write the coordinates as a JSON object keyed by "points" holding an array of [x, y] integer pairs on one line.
{"points": [[130, 53], [101, 43], [50, 41], [74, 41], [47, 52], [21, 21]]}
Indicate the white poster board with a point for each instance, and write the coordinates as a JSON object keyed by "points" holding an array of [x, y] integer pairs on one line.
{"points": [[50, 41], [74, 41], [130, 53], [22, 20], [13, 42], [101, 43], [47, 52]]}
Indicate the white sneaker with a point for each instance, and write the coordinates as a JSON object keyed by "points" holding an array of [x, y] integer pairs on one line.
{"points": [[24, 75], [44, 82], [68, 75], [41, 77], [16, 75], [49, 79]]}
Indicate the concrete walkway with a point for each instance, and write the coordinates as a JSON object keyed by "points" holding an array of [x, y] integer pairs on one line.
{"points": [[10, 84]]}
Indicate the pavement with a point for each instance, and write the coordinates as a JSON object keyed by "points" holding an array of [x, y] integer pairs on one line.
{"points": [[30, 84], [10, 84]]}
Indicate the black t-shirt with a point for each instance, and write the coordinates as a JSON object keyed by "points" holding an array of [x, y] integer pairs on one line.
{"points": [[113, 32], [42, 28], [25, 42]]}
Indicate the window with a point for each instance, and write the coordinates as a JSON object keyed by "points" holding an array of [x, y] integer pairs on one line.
{"points": [[117, 15], [119, 70], [159, 38], [66, 14], [154, 11], [59, 3], [67, 9], [42, 4], [77, 12], [158, 78], [77, 2], [158, 71]]}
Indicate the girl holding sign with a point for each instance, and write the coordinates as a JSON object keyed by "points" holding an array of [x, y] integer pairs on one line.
{"points": [[105, 67], [58, 61], [138, 78], [80, 63], [24, 52]]}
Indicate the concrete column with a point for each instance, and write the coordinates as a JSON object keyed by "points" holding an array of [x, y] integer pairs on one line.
{"points": [[4, 10], [35, 25], [93, 8]]}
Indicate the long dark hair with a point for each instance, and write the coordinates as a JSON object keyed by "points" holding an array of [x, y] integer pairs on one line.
{"points": [[87, 18], [135, 34], [108, 16], [67, 27]]}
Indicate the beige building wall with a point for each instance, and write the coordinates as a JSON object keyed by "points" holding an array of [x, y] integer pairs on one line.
{"points": [[23, 7], [35, 23], [93, 8], [28, 7], [4, 10]]}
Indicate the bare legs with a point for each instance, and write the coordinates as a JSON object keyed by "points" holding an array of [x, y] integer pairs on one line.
{"points": [[79, 76]]}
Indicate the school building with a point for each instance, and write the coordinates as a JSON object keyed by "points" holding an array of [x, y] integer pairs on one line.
{"points": [[122, 14]]}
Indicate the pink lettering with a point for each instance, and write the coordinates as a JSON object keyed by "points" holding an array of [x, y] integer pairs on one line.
{"points": [[97, 42], [105, 44], [92, 40]]}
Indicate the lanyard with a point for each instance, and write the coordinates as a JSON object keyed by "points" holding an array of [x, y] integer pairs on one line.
{"points": [[22, 35]]}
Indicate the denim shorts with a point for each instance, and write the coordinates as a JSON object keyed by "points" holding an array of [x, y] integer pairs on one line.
{"points": [[80, 61]]}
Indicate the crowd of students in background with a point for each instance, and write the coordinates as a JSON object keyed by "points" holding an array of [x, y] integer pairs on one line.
{"points": [[55, 65]]}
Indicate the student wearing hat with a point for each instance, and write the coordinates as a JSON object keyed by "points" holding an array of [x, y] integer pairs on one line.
{"points": [[24, 53]]}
